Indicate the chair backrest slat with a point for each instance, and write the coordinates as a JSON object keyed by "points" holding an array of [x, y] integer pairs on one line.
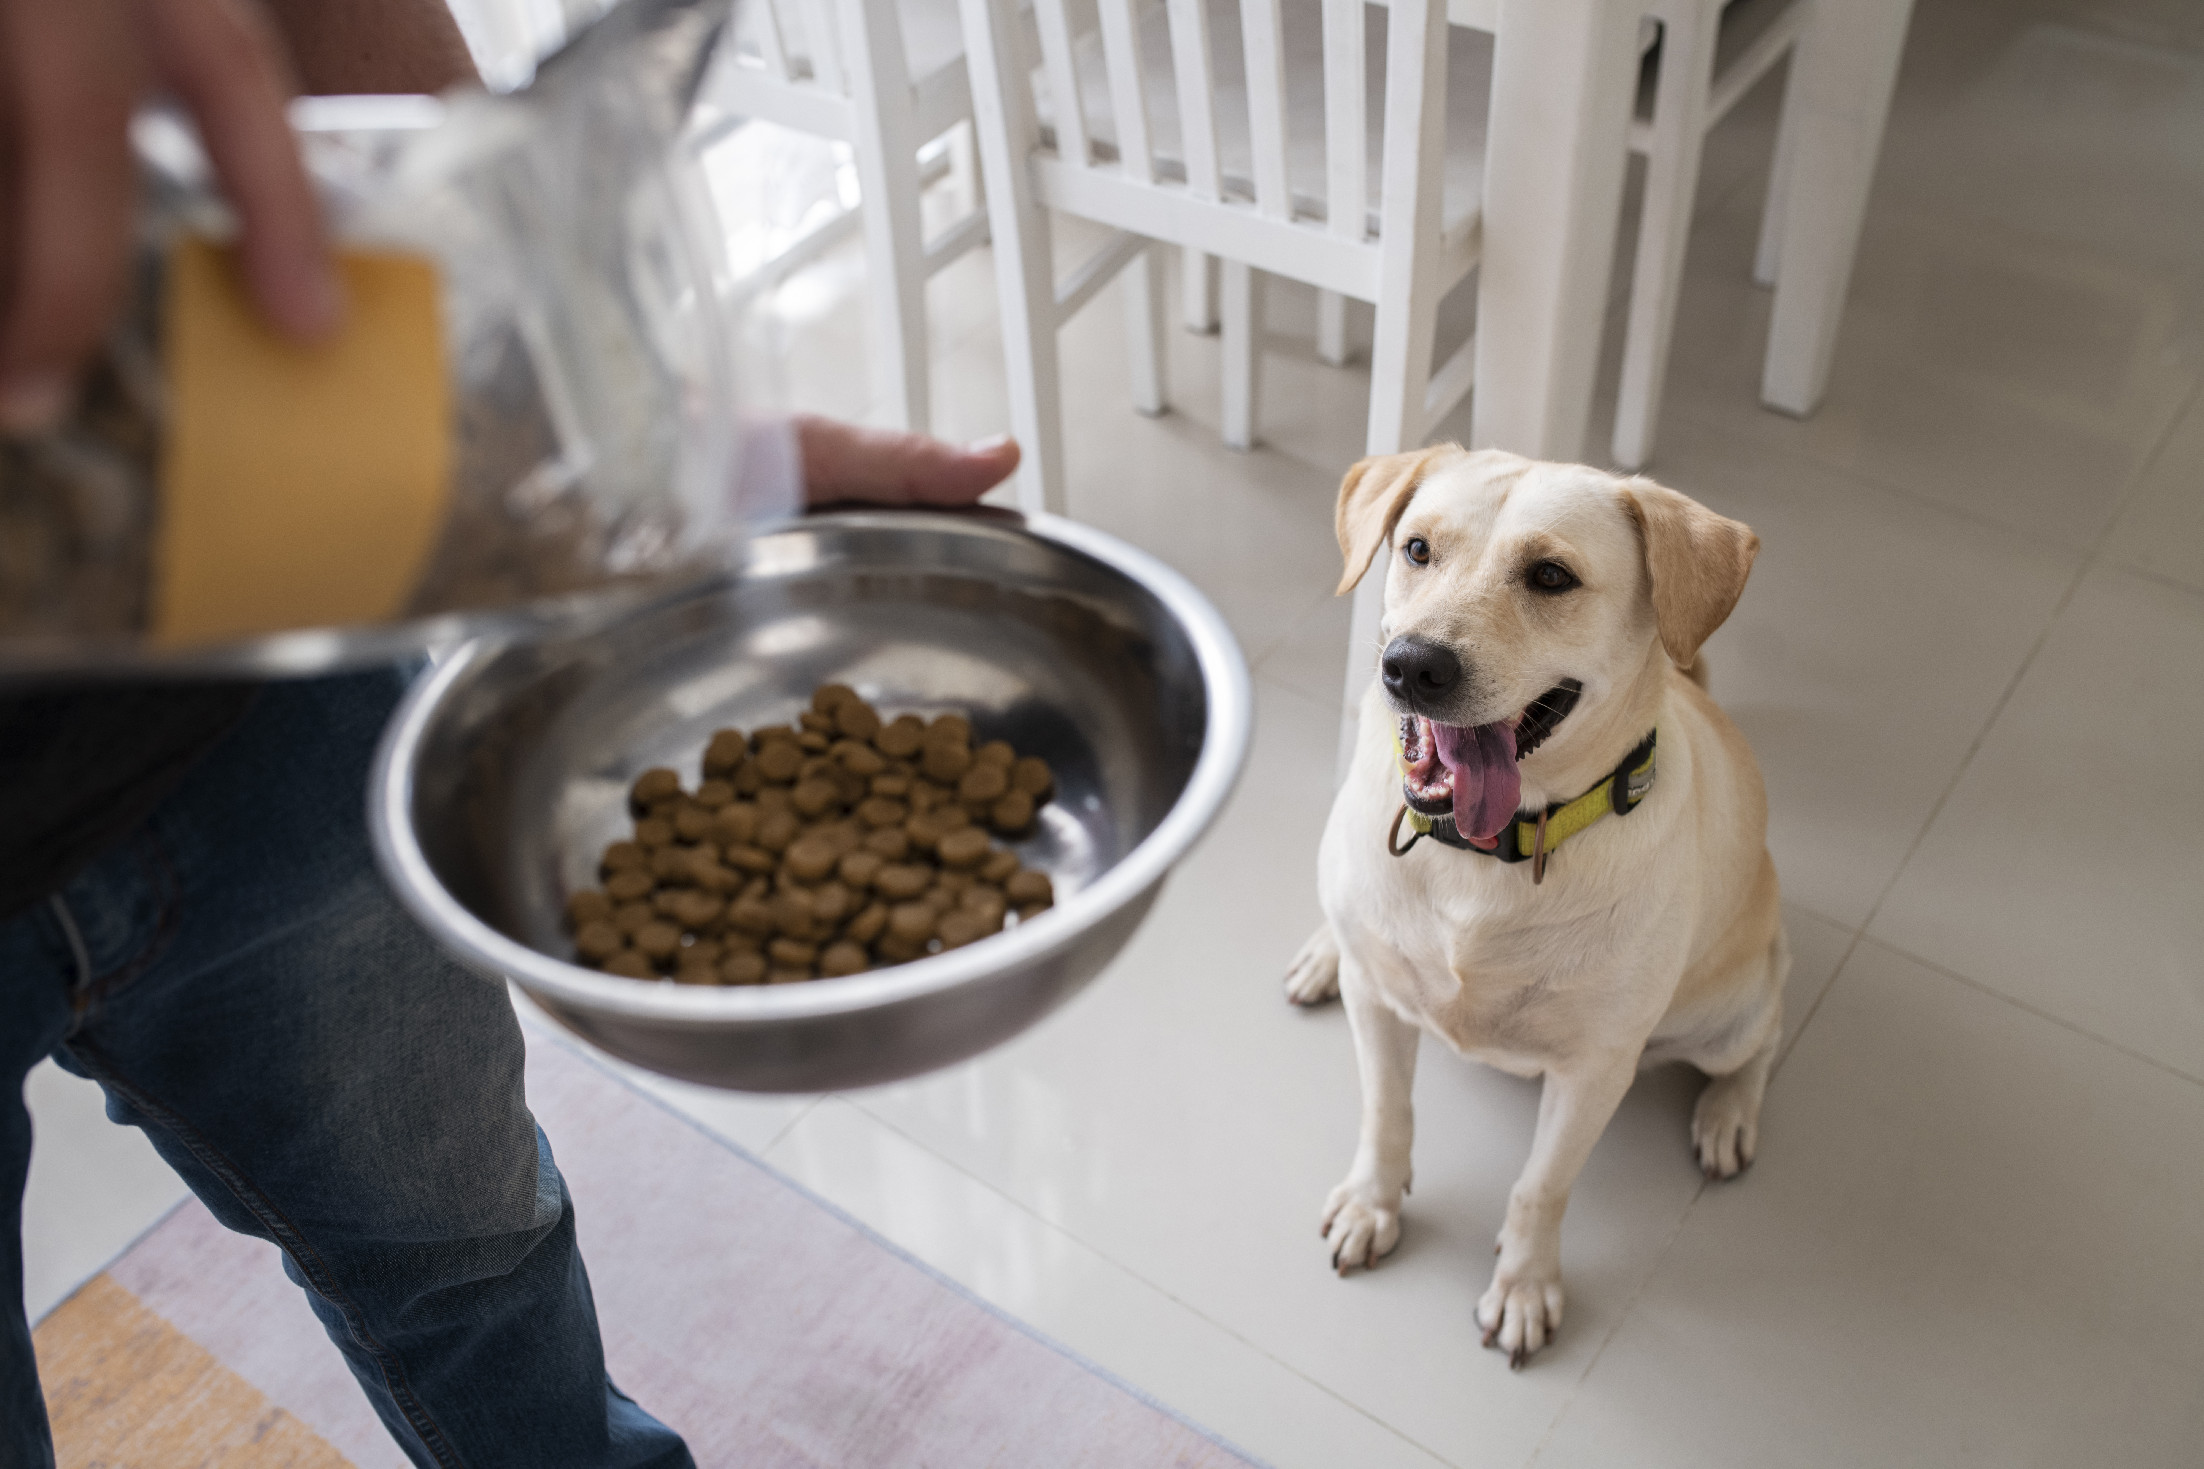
{"points": [[1190, 62], [825, 49], [772, 46], [1065, 108], [1346, 120], [1262, 43], [1128, 93]]}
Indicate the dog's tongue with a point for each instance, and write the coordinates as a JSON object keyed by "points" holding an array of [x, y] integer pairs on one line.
{"points": [[1481, 760]]}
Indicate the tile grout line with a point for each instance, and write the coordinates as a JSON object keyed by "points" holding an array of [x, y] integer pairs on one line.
{"points": [[1111, 1260], [2091, 558]]}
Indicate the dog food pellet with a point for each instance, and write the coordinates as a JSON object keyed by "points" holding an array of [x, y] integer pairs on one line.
{"points": [[827, 846]]}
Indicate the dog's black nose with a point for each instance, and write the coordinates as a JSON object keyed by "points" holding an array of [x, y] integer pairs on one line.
{"points": [[1416, 668]]}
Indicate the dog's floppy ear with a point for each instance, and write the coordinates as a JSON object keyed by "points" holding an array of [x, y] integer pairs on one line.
{"points": [[1696, 563], [1371, 499]]}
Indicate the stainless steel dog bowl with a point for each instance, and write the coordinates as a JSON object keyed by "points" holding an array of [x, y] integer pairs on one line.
{"points": [[505, 772]]}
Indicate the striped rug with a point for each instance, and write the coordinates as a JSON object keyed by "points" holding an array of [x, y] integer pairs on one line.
{"points": [[768, 1328]]}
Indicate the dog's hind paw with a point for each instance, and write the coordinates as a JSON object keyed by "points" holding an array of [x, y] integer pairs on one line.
{"points": [[1725, 1125], [1362, 1230], [1313, 976]]}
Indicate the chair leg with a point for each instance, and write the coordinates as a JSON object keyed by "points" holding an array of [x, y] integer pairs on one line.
{"points": [[1144, 330], [1767, 257], [886, 146], [1198, 290], [1664, 225], [1842, 72], [1331, 328], [1241, 306], [1025, 278]]}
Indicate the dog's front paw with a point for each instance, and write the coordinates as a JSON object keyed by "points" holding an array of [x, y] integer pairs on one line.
{"points": [[1313, 976], [1361, 1225], [1521, 1311]]}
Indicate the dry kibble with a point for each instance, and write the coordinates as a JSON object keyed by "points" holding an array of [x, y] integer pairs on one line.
{"points": [[726, 752], [792, 954], [1012, 814], [657, 941], [752, 916], [826, 847], [866, 926], [962, 848], [780, 760], [985, 783], [810, 858], [653, 786], [901, 738], [856, 719], [776, 829], [958, 928], [911, 923], [696, 910], [843, 957], [859, 760], [881, 811], [813, 797], [628, 884], [945, 762], [598, 941], [1027, 887], [900, 880], [792, 914]]}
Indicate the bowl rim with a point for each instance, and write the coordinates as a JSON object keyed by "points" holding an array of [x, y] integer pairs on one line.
{"points": [[1216, 770]]}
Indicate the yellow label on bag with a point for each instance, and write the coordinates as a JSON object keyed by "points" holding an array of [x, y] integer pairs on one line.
{"points": [[301, 485]]}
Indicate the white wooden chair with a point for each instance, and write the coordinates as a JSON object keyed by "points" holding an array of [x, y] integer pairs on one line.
{"points": [[888, 78], [1711, 54], [1269, 167]]}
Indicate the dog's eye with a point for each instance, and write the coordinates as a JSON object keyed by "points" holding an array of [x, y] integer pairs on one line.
{"points": [[1552, 576], [1417, 550]]}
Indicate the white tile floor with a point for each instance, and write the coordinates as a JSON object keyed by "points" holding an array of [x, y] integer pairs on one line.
{"points": [[1972, 662]]}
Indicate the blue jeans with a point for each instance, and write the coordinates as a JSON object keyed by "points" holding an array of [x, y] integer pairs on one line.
{"points": [[238, 980]]}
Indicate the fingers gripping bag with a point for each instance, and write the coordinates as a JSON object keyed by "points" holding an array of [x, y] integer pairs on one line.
{"points": [[527, 417]]}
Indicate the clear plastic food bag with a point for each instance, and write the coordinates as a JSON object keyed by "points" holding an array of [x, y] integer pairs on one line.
{"points": [[577, 410]]}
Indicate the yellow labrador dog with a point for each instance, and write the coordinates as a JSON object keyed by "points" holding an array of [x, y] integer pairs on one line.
{"points": [[1550, 850]]}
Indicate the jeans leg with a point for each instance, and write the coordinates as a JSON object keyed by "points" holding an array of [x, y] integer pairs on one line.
{"points": [[35, 979], [323, 1077]]}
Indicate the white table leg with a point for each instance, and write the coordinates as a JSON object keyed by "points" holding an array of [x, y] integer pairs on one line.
{"points": [[1842, 75], [1562, 86]]}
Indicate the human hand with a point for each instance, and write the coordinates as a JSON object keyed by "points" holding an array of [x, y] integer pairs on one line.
{"points": [[845, 462], [71, 74]]}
